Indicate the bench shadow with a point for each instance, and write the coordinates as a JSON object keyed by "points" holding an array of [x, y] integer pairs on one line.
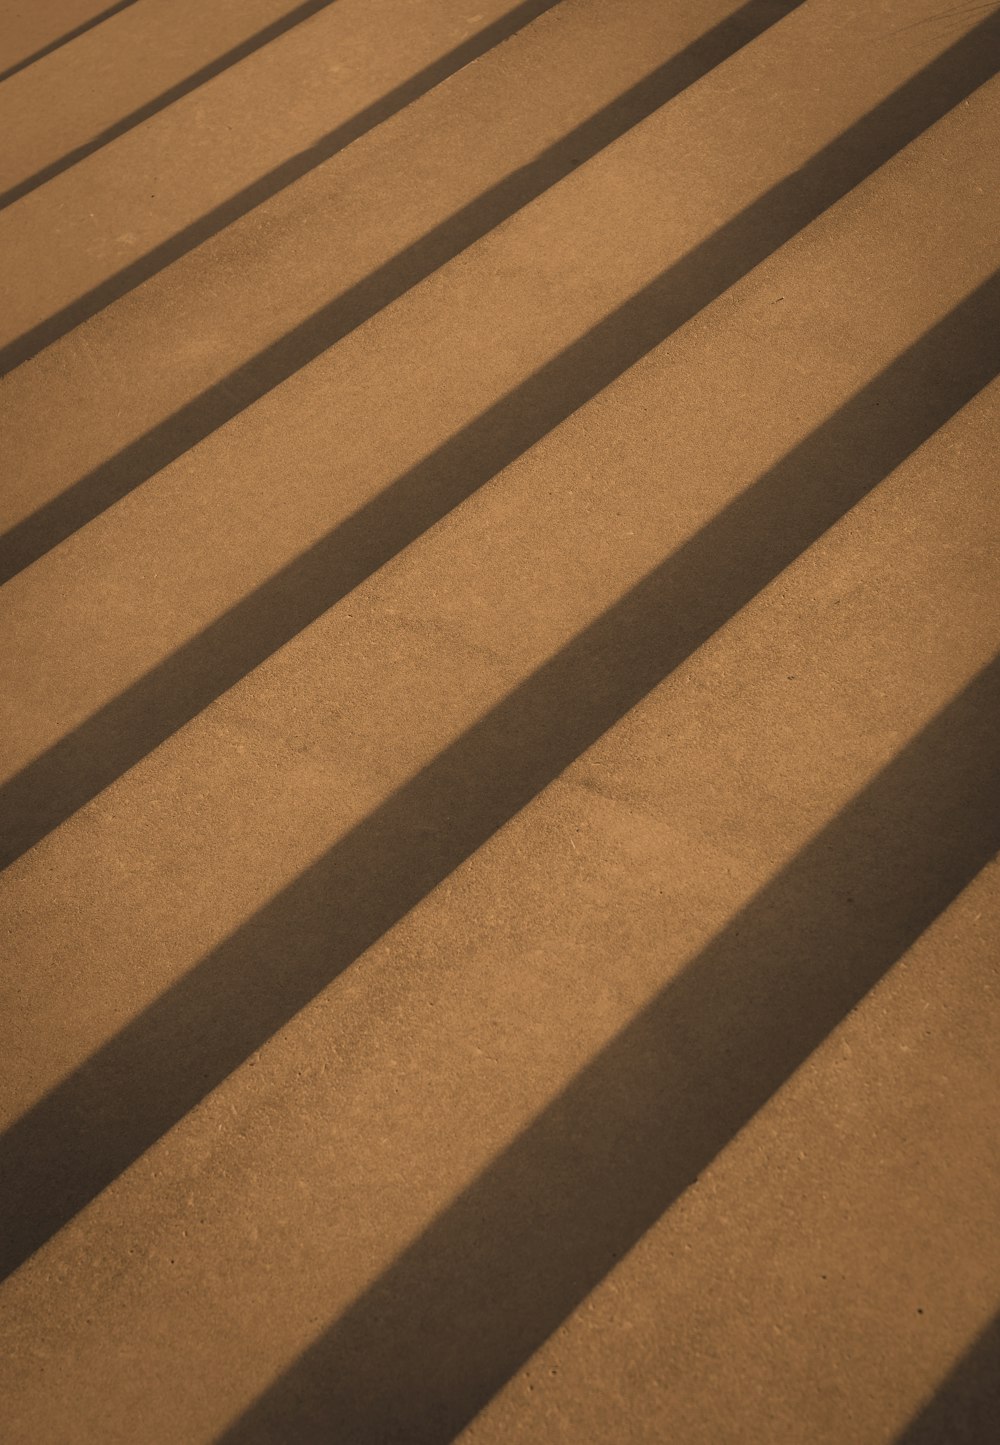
{"points": [[464, 1307], [106, 1113], [965, 1410], [125, 730]]}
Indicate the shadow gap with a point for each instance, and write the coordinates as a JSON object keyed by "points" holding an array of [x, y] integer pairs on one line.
{"points": [[121, 733], [103, 1116], [430, 1343]]}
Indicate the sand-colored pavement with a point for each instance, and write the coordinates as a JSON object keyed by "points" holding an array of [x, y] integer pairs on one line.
{"points": [[499, 622]]}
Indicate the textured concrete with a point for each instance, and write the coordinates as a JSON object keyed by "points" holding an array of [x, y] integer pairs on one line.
{"points": [[216, 152], [394, 206], [31, 32], [500, 781], [123, 71]]}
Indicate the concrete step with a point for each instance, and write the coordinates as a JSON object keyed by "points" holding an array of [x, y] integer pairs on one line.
{"points": [[499, 900]]}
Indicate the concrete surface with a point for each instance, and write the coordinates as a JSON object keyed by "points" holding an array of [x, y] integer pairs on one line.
{"points": [[120, 73], [500, 740], [163, 186], [30, 32]]}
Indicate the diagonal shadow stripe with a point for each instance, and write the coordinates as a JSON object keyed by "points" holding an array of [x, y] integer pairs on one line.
{"points": [[104, 1115], [465, 1306], [122, 732], [965, 1410], [515, 191], [167, 98], [714, 265], [65, 39], [268, 185]]}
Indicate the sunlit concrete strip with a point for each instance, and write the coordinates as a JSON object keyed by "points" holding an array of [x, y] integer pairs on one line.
{"points": [[232, 1245], [121, 73], [249, 500]]}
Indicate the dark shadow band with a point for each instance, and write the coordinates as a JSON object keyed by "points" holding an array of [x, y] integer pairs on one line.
{"points": [[103, 1116]]}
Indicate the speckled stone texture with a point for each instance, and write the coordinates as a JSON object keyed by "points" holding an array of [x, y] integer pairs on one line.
{"points": [[499, 621]]}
